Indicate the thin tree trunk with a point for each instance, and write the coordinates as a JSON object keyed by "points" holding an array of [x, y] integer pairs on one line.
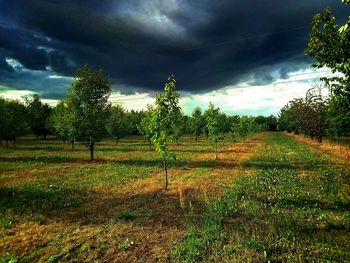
{"points": [[72, 143], [91, 152], [216, 151], [150, 144], [196, 138], [166, 173]]}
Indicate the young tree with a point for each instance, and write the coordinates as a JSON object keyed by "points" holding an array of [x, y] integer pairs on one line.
{"points": [[144, 125], [134, 119], [234, 127], [163, 117], [178, 126], [88, 101], [187, 124], [118, 123], [62, 120], [224, 123], [197, 123], [13, 120], [38, 116], [214, 132]]}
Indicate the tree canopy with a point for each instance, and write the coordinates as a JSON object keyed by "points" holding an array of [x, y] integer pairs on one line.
{"points": [[213, 125], [118, 123], [329, 45], [13, 120], [88, 101], [38, 116]]}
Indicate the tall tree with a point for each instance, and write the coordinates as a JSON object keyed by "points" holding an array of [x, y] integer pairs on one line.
{"points": [[292, 116], [134, 119], [163, 117], [13, 120], [215, 134], [306, 115], [315, 112], [329, 44], [178, 126], [118, 124], [62, 120], [144, 125], [88, 100], [38, 116], [197, 123]]}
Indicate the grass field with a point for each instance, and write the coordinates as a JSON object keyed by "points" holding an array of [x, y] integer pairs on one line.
{"points": [[270, 197]]}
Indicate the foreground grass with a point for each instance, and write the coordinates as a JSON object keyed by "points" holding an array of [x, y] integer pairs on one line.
{"points": [[267, 198], [56, 206], [295, 208]]}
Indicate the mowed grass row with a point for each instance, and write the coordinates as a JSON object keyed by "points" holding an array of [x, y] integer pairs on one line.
{"points": [[295, 208]]}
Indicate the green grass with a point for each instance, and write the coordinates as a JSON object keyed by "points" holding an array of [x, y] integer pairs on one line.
{"points": [[127, 215], [294, 209]]}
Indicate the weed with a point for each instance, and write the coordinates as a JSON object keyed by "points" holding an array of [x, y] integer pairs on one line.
{"points": [[127, 243], [253, 243], [41, 219], [127, 215], [10, 257], [191, 248], [5, 222]]}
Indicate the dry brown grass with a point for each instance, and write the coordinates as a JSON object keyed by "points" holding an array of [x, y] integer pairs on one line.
{"points": [[328, 147], [160, 216]]}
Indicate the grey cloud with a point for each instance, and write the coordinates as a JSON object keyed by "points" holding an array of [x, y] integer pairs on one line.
{"points": [[206, 44]]}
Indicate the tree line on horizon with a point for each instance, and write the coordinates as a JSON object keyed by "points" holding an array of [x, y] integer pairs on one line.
{"points": [[85, 115], [86, 105]]}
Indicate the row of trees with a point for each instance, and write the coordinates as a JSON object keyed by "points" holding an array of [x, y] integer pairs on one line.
{"points": [[197, 124], [40, 119], [17, 119], [315, 115], [86, 115], [308, 115], [329, 45]]}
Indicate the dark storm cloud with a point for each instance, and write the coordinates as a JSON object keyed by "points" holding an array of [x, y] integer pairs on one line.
{"points": [[206, 44]]}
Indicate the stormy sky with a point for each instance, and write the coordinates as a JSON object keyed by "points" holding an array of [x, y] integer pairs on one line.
{"points": [[216, 49]]}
